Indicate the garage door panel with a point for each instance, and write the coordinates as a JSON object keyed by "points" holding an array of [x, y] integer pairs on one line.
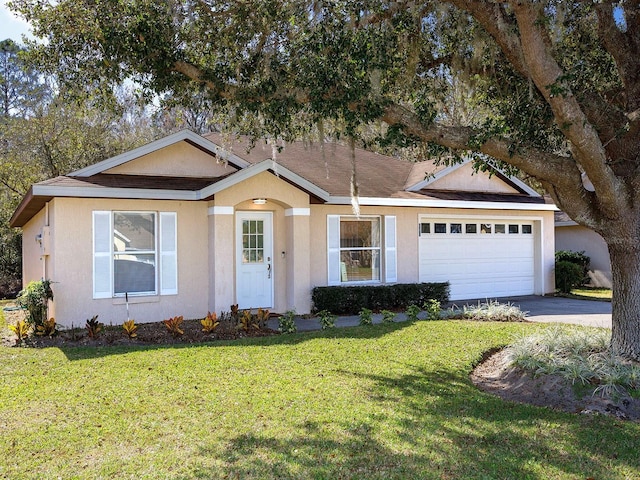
{"points": [[479, 265]]}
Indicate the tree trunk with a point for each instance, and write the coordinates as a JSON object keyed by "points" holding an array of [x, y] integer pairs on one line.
{"points": [[625, 270]]}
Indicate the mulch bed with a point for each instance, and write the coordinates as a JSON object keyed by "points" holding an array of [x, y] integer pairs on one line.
{"points": [[496, 376], [147, 334]]}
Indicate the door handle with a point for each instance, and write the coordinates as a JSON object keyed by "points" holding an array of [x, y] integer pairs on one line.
{"points": [[268, 267]]}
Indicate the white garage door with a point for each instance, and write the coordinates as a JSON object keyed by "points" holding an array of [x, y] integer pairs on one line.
{"points": [[479, 258]]}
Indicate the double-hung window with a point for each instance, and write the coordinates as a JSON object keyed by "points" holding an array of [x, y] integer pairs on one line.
{"points": [[134, 253], [361, 249]]}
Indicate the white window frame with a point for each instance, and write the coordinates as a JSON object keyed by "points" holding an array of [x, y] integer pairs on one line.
{"points": [[165, 253], [387, 249]]}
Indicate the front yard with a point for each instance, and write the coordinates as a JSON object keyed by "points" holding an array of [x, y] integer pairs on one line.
{"points": [[384, 401]]}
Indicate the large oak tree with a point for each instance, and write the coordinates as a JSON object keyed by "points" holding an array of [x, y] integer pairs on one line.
{"points": [[556, 82]]}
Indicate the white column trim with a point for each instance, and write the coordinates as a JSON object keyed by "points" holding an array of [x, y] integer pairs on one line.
{"points": [[220, 210], [297, 212]]}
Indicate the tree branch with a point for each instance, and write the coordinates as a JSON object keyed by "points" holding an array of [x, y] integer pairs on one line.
{"points": [[624, 47], [494, 19], [551, 169], [547, 76]]}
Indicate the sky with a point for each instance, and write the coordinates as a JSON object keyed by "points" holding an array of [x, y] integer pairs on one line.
{"points": [[11, 26]]}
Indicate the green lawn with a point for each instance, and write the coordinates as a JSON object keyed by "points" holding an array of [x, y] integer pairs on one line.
{"points": [[380, 402], [592, 293]]}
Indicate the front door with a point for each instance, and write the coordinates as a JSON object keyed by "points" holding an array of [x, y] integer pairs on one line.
{"points": [[254, 260]]}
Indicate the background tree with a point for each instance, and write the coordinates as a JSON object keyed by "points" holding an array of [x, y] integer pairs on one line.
{"points": [[43, 135], [555, 83]]}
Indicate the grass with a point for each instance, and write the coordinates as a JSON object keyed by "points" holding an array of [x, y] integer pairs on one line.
{"points": [[591, 293], [390, 401]]}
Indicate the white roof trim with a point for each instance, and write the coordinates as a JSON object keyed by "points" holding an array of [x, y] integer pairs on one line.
{"points": [[412, 202], [113, 192], [260, 167], [452, 168], [158, 145], [436, 176]]}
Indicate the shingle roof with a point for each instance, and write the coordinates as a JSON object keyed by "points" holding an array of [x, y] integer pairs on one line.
{"points": [[377, 175], [328, 167]]}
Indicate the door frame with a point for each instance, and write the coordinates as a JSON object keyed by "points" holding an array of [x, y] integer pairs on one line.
{"points": [[267, 217]]}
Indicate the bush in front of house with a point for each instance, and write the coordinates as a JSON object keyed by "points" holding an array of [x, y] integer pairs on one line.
{"points": [[568, 276], [578, 258], [349, 300]]}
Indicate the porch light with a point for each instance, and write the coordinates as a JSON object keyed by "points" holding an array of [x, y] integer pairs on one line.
{"points": [[259, 201]]}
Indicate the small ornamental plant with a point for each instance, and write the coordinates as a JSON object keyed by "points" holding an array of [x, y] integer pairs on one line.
{"points": [[130, 328], [412, 312], [210, 322], [21, 330], [327, 319], [366, 316], [173, 325], [388, 316], [246, 320], [47, 329], [94, 327], [262, 317], [287, 322], [432, 307]]}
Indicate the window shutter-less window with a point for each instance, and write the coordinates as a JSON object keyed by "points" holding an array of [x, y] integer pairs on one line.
{"points": [[333, 249], [390, 254], [102, 255], [168, 253]]}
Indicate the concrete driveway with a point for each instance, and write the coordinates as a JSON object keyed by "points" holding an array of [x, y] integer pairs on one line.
{"points": [[561, 310]]}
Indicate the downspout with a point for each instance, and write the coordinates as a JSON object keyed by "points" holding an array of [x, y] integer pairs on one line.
{"points": [[44, 256]]}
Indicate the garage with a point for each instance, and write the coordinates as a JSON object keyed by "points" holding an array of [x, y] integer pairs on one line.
{"points": [[479, 257]]}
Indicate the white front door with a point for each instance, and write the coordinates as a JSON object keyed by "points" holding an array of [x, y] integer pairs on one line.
{"points": [[254, 260]]}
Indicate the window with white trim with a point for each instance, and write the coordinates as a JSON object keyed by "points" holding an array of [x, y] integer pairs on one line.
{"points": [[134, 253], [356, 253]]}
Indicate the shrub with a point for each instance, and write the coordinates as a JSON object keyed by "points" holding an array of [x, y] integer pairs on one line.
{"points": [[261, 319], [579, 258], [21, 330], [287, 322], [47, 329], [327, 319], [568, 275], [173, 325], [494, 311], [578, 354], [349, 300], [210, 322], [245, 321], [388, 316], [94, 327], [412, 312], [432, 307], [35, 298], [366, 316], [130, 328]]}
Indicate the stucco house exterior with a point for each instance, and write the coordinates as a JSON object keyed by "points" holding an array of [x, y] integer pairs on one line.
{"points": [[190, 224]]}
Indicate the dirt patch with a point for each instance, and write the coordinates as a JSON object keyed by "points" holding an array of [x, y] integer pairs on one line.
{"points": [[147, 334], [495, 375]]}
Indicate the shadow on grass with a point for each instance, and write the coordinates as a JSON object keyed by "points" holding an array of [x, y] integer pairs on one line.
{"points": [[436, 425], [366, 332]]}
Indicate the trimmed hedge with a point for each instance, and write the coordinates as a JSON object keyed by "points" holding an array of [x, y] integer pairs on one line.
{"points": [[350, 300]]}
